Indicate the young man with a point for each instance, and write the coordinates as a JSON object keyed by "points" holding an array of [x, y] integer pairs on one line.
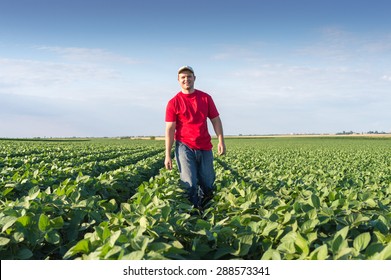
{"points": [[186, 122]]}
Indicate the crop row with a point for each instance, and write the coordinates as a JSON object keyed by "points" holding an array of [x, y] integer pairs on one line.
{"points": [[46, 211], [274, 199], [70, 155], [317, 201], [271, 202]]}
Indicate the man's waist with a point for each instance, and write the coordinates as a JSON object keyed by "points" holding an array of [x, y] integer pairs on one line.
{"points": [[197, 144]]}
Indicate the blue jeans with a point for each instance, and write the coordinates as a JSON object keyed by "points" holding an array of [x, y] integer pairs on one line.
{"points": [[196, 172]]}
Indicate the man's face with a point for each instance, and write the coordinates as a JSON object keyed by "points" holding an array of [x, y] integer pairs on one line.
{"points": [[186, 80]]}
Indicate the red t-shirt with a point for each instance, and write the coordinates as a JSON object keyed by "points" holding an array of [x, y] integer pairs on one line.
{"points": [[190, 113]]}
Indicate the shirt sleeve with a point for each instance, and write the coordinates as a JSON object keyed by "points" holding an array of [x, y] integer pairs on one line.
{"points": [[170, 112], [213, 113]]}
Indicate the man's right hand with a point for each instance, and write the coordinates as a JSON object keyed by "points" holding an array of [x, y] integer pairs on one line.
{"points": [[168, 163]]}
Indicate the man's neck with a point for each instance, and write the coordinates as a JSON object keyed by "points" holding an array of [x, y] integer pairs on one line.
{"points": [[188, 91]]}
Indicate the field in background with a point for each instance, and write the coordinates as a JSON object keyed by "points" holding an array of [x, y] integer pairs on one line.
{"points": [[276, 198]]}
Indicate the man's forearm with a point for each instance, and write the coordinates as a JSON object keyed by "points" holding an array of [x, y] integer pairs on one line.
{"points": [[218, 128], [169, 143], [170, 132]]}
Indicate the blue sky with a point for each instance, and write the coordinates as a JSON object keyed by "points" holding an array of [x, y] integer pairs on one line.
{"points": [[108, 67]]}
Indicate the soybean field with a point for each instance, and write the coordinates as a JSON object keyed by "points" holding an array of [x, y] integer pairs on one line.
{"points": [[320, 198]]}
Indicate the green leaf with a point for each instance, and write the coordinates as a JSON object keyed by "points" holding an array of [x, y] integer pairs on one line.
{"points": [[337, 244], [7, 191], [82, 178], [362, 241], [146, 198], [302, 245], [4, 241], [140, 242], [24, 254], [83, 246], [355, 219], [231, 199], [202, 224], [200, 247], [342, 232], [269, 227], [241, 192], [166, 212], [315, 201], [113, 237], [33, 193], [113, 251], [271, 254], [159, 247], [104, 232], [19, 236], [309, 225], [319, 253], [24, 220], [125, 208], [287, 218], [345, 252], [53, 237], [287, 244], [57, 223], [381, 225], [109, 206], [385, 254], [312, 214], [245, 243], [371, 202], [43, 223], [222, 251], [136, 255], [143, 222], [7, 222], [373, 249]]}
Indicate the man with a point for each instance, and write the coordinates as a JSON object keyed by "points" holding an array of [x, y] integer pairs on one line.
{"points": [[186, 122]]}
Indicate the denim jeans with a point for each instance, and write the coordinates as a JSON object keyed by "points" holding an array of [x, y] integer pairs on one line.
{"points": [[196, 172]]}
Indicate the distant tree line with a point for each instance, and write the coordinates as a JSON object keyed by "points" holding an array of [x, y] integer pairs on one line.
{"points": [[352, 132]]}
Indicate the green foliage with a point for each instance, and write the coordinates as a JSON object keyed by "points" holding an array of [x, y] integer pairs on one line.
{"points": [[309, 198]]}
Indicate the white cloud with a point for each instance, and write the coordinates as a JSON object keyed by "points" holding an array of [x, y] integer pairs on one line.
{"points": [[20, 126], [72, 73], [77, 92], [320, 86], [34, 77], [387, 78], [93, 55]]}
